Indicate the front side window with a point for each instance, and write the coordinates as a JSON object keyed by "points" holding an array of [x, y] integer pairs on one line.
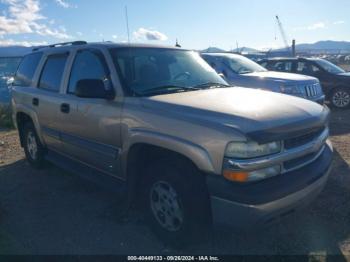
{"points": [[88, 64], [26, 70], [145, 70], [52, 73]]}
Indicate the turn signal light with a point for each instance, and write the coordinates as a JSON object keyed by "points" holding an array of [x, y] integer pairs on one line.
{"points": [[236, 176]]}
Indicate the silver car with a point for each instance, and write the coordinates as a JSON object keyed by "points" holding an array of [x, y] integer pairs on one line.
{"points": [[241, 71]]}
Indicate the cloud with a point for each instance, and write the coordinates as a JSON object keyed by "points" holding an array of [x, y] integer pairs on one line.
{"points": [[143, 33], [316, 26], [114, 36], [11, 42], [338, 22], [24, 17], [65, 4]]}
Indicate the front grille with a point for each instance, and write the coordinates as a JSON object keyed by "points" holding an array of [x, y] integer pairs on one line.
{"points": [[312, 90], [295, 163], [302, 140]]}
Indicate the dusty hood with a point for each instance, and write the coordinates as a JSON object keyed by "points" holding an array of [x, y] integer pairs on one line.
{"points": [[279, 76], [258, 114]]}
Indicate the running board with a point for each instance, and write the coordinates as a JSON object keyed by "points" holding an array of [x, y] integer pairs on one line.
{"points": [[88, 173]]}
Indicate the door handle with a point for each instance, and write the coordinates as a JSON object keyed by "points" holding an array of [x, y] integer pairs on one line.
{"points": [[65, 108], [35, 101]]}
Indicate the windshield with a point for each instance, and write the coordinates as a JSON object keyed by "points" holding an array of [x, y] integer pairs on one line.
{"points": [[242, 65], [329, 67], [145, 70]]}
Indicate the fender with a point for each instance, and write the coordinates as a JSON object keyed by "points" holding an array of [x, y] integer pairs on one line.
{"points": [[197, 154], [21, 108]]}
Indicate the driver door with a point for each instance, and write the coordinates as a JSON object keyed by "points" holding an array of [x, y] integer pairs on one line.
{"points": [[90, 130]]}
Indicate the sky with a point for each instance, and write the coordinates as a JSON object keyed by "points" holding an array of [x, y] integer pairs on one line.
{"points": [[196, 24]]}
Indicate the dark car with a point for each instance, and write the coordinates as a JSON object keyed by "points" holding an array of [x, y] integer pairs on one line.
{"points": [[335, 81]]}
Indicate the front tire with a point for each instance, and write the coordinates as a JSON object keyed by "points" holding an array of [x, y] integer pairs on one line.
{"points": [[177, 203], [340, 98], [33, 148]]}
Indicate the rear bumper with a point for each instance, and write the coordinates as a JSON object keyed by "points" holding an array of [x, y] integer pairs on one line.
{"points": [[248, 212]]}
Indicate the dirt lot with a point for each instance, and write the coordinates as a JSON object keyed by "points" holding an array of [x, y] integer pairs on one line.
{"points": [[54, 212]]}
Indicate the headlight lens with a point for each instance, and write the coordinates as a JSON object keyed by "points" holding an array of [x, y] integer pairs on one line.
{"points": [[246, 150], [291, 90]]}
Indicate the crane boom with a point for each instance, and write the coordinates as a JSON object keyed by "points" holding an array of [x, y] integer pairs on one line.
{"points": [[283, 34]]}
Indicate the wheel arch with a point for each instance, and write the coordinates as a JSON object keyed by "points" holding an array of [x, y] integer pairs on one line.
{"points": [[24, 115]]}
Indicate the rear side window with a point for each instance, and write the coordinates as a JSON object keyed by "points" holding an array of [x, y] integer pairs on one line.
{"points": [[26, 70], [283, 66], [51, 76]]}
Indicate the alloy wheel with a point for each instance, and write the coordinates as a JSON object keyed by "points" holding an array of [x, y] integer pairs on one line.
{"points": [[341, 99]]}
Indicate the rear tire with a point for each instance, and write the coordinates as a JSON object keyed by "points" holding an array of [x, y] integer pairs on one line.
{"points": [[340, 98], [34, 150], [177, 203]]}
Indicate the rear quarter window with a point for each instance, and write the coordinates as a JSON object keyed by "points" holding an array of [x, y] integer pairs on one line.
{"points": [[26, 70]]}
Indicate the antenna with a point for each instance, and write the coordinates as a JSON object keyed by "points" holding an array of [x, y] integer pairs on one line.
{"points": [[127, 23]]}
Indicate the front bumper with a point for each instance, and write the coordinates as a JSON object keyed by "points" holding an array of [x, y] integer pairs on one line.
{"points": [[320, 100], [262, 203]]}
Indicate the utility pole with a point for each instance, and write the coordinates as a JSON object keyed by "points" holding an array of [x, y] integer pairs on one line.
{"points": [[294, 53]]}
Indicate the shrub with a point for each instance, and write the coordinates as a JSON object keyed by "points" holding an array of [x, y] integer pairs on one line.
{"points": [[5, 117]]}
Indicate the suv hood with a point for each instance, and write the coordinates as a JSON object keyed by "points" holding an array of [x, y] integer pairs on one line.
{"points": [[260, 115], [281, 77]]}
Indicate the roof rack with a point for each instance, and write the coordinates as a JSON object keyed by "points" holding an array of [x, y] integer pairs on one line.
{"points": [[60, 44]]}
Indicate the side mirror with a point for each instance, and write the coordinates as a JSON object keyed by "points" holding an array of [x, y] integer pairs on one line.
{"points": [[222, 76], [93, 88]]}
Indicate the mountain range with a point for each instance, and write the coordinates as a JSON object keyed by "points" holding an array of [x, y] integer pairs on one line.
{"points": [[10, 51], [335, 46]]}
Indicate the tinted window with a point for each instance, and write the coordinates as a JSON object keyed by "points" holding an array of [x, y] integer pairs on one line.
{"points": [[306, 68], [282, 66], [89, 65], [26, 70], [52, 73]]}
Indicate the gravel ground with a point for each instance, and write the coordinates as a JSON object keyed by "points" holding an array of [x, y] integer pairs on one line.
{"points": [[54, 212]]}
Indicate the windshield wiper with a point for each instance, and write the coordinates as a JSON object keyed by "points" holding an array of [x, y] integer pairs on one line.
{"points": [[211, 85], [165, 89]]}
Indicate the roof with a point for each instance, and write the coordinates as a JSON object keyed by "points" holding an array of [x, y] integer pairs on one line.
{"points": [[222, 54], [61, 47], [287, 58]]}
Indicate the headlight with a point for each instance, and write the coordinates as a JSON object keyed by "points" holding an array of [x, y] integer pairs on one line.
{"points": [[291, 90], [246, 150]]}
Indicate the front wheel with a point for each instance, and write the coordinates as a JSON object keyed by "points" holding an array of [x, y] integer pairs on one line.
{"points": [[340, 98], [177, 204]]}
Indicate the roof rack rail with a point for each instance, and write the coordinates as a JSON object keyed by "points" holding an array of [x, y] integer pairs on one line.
{"points": [[60, 44]]}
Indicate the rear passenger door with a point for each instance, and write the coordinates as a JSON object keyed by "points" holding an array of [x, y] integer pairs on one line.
{"points": [[90, 131], [49, 98]]}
